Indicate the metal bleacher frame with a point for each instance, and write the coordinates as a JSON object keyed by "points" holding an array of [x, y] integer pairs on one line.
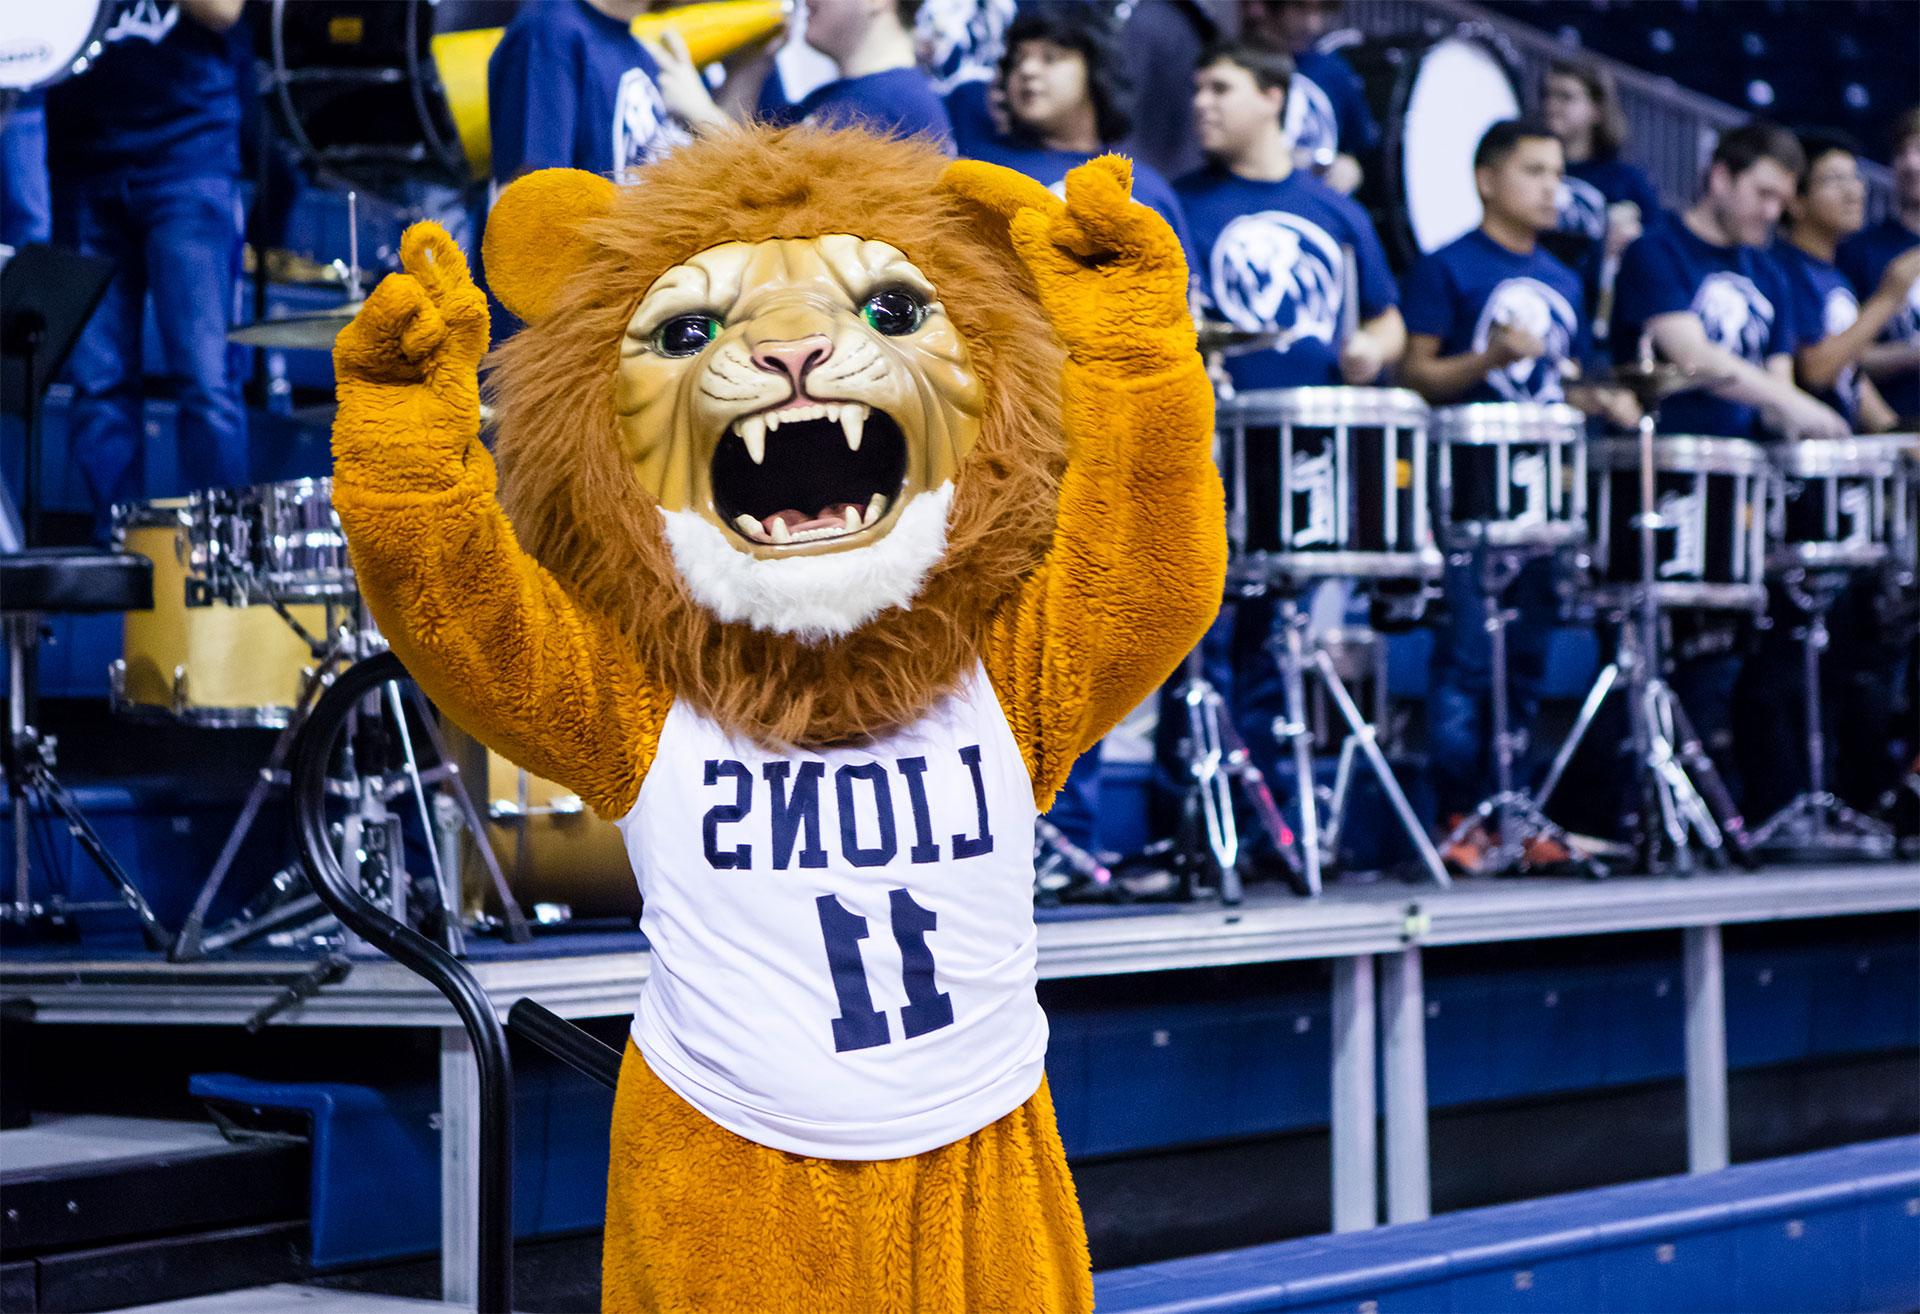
{"points": [[1671, 130], [1373, 936]]}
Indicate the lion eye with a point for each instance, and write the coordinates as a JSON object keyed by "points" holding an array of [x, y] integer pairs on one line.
{"points": [[685, 335], [894, 312]]}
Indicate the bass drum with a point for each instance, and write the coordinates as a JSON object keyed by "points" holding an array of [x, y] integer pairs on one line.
{"points": [[1434, 96], [41, 44]]}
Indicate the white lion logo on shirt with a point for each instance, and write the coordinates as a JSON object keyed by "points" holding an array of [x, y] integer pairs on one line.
{"points": [[1736, 315], [1310, 122], [1274, 270], [643, 131], [1532, 306], [1582, 207]]}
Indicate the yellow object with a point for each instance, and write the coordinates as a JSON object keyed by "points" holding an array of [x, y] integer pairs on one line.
{"points": [[556, 851], [210, 664], [1133, 577], [712, 31]]}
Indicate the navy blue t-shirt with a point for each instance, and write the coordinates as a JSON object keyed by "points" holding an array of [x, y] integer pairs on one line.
{"points": [[569, 87], [1272, 255], [1864, 258], [1736, 292], [1824, 303], [1050, 168], [1327, 106], [1592, 185], [1458, 293], [896, 101], [162, 100], [972, 121]]}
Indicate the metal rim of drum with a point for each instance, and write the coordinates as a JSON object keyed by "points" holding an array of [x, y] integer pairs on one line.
{"points": [[1399, 408], [1838, 456], [1682, 454], [1689, 594], [1424, 564], [1488, 423]]}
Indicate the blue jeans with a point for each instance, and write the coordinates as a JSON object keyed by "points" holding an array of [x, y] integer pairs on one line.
{"points": [[176, 238], [1459, 697], [26, 207]]}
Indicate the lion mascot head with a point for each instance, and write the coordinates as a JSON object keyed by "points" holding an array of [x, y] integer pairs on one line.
{"points": [[787, 411]]}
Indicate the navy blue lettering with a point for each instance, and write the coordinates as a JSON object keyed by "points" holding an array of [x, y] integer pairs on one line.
{"points": [[723, 814], [915, 771], [928, 1007], [860, 1025], [980, 844], [882, 853], [792, 813]]}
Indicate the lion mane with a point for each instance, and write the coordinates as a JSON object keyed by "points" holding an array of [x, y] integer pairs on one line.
{"points": [[579, 508]]}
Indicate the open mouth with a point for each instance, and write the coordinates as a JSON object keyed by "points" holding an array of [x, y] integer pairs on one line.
{"points": [[807, 474]]}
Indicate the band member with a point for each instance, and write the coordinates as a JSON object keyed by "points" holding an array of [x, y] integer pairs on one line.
{"points": [[1894, 362], [1836, 328], [1277, 249], [1493, 318], [1068, 100], [960, 43], [1328, 120], [26, 206], [881, 84], [570, 86], [1702, 289], [1604, 202], [144, 153]]}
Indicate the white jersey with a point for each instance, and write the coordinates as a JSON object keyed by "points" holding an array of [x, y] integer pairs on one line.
{"points": [[843, 940]]}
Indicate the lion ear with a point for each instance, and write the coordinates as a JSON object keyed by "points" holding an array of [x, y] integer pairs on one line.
{"points": [[533, 239]]}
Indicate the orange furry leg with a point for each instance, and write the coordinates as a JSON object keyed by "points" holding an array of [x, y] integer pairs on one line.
{"points": [[701, 1221]]}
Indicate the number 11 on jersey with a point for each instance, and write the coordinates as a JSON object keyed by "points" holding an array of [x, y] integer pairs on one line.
{"points": [[860, 1025]]}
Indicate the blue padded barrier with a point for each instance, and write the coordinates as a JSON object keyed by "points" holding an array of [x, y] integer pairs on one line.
{"points": [[1833, 1232]]}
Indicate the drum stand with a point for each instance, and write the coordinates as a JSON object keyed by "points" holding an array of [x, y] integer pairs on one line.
{"points": [[286, 911], [1297, 650], [1681, 795], [1815, 821], [1518, 820]]}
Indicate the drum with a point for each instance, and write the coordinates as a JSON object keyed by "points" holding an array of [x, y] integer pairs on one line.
{"points": [[194, 657], [1434, 98], [1833, 504], [1903, 499], [1711, 497], [1510, 474], [561, 862], [282, 540], [41, 44], [1327, 481]]}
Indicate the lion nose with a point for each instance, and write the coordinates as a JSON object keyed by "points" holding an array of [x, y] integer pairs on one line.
{"points": [[794, 357]]}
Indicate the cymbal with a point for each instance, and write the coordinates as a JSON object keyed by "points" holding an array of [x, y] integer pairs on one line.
{"points": [[1217, 338], [312, 332]]}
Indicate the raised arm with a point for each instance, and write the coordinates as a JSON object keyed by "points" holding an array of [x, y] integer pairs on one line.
{"points": [[491, 637], [1138, 559]]}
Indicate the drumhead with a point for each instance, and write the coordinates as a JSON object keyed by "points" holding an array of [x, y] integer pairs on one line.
{"points": [[1508, 422], [1364, 407], [41, 44], [1688, 454], [1435, 100]]}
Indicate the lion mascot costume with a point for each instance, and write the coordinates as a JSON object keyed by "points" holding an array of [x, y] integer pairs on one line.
{"points": [[846, 494]]}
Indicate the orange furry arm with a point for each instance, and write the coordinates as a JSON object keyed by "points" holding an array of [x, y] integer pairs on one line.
{"points": [[491, 637], [1138, 560]]}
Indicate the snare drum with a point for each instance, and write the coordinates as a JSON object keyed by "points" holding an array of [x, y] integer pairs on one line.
{"points": [[195, 658], [1833, 504], [1711, 497], [1510, 474], [1327, 481], [279, 539]]}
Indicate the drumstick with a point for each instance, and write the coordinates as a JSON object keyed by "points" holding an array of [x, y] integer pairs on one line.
{"points": [[1349, 295]]}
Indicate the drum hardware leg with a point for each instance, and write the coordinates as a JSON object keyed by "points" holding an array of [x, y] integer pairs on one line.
{"points": [[328, 971], [281, 917], [28, 768], [1672, 753], [1337, 800], [1292, 661], [1705, 778], [455, 788], [445, 878], [1815, 820], [1209, 735], [1051, 842], [1603, 685]]}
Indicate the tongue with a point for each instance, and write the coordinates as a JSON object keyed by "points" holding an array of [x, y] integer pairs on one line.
{"points": [[834, 517]]}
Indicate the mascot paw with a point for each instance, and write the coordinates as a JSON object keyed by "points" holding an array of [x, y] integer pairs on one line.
{"points": [[426, 325], [1109, 272]]}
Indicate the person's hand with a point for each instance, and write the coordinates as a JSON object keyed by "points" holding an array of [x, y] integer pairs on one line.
{"points": [[1361, 359], [1901, 274], [1805, 417], [682, 86], [1623, 227], [1508, 344], [1343, 175], [1616, 406]]}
